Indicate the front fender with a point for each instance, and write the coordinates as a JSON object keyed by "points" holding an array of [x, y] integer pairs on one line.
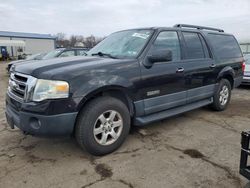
{"points": [[102, 83]]}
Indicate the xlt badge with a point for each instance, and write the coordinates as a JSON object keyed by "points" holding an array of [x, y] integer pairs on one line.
{"points": [[155, 92]]}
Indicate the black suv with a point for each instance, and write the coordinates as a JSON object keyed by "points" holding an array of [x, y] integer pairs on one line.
{"points": [[133, 77]]}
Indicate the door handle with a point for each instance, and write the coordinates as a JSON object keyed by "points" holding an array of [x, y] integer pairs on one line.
{"points": [[180, 70], [212, 66]]}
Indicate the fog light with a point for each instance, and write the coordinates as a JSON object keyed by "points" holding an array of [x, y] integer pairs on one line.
{"points": [[35, 123]]}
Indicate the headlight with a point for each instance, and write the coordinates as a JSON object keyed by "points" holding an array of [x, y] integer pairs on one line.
{"points": [[49, 89]]}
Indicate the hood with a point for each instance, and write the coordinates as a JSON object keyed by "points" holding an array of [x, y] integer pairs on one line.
{"points": [[46, 69], [17, 61]]}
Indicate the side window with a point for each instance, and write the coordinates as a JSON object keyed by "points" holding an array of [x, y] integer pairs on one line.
{"points": [[194, 46], [80, 52], [224, 46], [169, 40], [67, 53]]}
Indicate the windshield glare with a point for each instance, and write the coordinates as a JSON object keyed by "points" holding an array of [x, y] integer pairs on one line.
{"points": [[123, 44], [52, 54]]}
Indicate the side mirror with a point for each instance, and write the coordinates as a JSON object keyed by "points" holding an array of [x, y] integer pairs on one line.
{"points": [[160, 55]]}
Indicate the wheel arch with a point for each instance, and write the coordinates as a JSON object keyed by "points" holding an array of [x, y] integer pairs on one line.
{"points": [[227, 73], [115, 91]]}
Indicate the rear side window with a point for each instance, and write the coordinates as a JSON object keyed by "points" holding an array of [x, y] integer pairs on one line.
{"points": [[194, 47], [81, 53], [225, 46]]}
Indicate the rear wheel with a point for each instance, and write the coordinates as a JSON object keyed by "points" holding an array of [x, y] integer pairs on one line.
{"points": [[103, 125], [222, 96]]}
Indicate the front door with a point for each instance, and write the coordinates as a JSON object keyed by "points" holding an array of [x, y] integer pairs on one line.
{"points": [[163, 83]]}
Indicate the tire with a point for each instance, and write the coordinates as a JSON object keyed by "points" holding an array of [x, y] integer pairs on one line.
{"points": [[98, 121], [222, 96]]}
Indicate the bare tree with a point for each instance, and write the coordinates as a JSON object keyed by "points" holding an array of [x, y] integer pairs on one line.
{"points": [[60, 36], [79, 38], [63, 41], [72, 40], [60, 39], [90, 41], [76, 40]]}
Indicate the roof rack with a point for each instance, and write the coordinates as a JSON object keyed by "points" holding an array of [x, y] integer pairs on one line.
{"points": [[198, 27]]}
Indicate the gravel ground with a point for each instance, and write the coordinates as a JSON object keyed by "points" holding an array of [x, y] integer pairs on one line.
{"points": [[196, 149]]}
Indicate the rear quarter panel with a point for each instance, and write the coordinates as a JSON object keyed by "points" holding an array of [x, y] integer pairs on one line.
{"points": [[226, 66]]}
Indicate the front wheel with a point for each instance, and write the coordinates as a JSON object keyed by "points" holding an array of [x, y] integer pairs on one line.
{"points": [[103, 125], [222, 96]]}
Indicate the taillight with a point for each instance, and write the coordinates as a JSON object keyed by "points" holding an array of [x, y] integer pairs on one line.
{"points": [[243, 66]]}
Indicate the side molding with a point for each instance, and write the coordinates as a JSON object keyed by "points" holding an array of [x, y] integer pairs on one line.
{"points": [[143, 120]]}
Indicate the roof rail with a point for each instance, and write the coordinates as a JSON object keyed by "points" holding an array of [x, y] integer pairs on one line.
{"points": [[198, 27]]}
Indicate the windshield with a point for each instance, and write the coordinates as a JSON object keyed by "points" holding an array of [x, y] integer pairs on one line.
{"points": [[124, 44], [52, 54]]}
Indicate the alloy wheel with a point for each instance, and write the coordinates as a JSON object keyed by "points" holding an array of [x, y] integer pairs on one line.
{"points": [[108, 127]]}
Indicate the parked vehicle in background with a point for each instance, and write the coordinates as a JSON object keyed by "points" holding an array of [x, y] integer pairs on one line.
{"points": [[61, 52], [246, 77], [28, 58], [66, 52], [245, 48], [134, 76]]}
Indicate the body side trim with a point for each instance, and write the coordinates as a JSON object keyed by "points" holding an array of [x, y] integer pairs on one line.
{"points": [[171, 112], [200, 93], [164, 102]]}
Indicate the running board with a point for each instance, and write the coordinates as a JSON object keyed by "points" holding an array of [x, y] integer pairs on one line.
{"points": [[143, 120]]}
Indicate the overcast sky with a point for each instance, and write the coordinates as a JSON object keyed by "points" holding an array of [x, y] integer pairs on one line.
{"points": [[102, 17]]}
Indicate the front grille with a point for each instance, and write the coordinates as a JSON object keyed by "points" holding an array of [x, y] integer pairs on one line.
{"points": [[20, 85]]}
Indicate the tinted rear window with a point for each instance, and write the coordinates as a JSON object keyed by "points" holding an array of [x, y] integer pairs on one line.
{"points": [[194, 46], [225, 46]]}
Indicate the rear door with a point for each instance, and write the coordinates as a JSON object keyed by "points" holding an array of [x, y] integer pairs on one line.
{"points": [[199, 67], [163, 83]]}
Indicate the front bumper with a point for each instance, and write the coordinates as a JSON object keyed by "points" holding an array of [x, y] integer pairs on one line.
{"points": [[40, 125]]}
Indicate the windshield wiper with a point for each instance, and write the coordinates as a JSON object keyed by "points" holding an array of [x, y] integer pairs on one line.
{"points": [[104, 54]]}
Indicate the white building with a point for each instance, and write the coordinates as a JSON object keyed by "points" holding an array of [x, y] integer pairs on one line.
{"points": [[17, 43]]}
